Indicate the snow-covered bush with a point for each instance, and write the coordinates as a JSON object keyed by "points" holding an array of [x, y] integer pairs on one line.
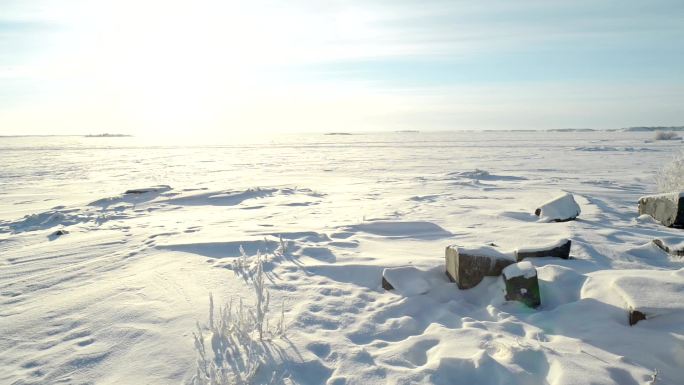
{"points": [[238, 337], [666, 135], [282, 248], [671, 177], [246, 266]]}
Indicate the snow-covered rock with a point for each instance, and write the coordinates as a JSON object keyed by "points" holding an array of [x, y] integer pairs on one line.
{"points": [[677, 250], [522, 284], [559, 209], [405, 280], [667, 209], [144, 190], [468, 266], [558, 249], [653, 293], [59, 233]]}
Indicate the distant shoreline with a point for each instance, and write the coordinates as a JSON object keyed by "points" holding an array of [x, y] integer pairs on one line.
{"points": [[625, 129], [105, 135]]}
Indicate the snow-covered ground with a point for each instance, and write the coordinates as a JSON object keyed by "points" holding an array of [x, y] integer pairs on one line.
{"points": [[116, 299]]}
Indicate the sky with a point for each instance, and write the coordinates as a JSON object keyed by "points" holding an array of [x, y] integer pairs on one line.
{"points": [[225, 68]]}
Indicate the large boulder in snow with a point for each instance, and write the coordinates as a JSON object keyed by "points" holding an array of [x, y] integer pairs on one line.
{"points": [[559, 209], [667, 209], [405, 280], [468, 266], [522, 284], [558, 249]]}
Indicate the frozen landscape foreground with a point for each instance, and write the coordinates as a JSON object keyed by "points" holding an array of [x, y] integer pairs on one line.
{"points": [[116, 297]]}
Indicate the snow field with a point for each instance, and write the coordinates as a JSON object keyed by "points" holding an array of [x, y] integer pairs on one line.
{"points": [[116, 300]]}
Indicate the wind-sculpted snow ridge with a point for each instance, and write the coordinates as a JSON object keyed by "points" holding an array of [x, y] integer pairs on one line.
{"points": [[401, 229], [236, 197], [61, 217], [116, 297], [478, 174], [138, 202], [135, 196], [482, 179]]}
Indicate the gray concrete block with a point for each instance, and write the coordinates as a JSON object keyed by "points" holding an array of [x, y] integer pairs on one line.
{"points": [[668, 209], [522, 284], [468, 266], [560, 249]]}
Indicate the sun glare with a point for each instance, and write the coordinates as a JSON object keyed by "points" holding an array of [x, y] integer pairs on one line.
{"points": [[175, 66]]}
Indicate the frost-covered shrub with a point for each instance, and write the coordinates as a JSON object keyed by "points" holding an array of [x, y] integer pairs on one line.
{"points": [[671, 177], [246, 266], [666, 135], [238, 337]]}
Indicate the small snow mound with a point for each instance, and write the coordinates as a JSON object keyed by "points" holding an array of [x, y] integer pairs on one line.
{"points": [[46, 220], [479, 174], [521, 269], [407, 280], [559, 209], [645, 219], [560, 285], [399, 229], [649, 251], [671, 245], [223, 198], [475, 174], [145, 190]]}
